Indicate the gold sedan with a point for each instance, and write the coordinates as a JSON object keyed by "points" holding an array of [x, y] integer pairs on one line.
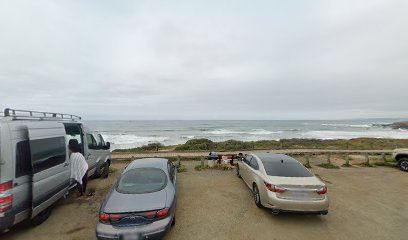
{"points": [[283, 184]]}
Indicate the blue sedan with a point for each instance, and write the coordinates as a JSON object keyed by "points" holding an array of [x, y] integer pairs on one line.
{"points": [[142, 203]]}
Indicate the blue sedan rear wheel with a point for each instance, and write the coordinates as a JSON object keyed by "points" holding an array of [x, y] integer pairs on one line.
{"points": [[174, 221]]}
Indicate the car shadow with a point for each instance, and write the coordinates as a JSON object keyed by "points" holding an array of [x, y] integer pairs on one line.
{"points": [[295, 217]]}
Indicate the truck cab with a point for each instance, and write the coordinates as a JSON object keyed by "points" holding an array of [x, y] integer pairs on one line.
{"points": [[401, 156]]}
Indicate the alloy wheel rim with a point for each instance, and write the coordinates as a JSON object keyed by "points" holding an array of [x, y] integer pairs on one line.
{"points": [[404, 165]]}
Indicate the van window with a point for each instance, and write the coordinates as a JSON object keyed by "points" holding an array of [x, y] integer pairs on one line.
{"points": [[23, 159], [101, 142], [92, 144], [74, 131], [47, 153]]}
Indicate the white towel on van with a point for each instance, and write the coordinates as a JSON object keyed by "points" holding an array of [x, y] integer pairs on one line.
{"points": [[79, 166]]}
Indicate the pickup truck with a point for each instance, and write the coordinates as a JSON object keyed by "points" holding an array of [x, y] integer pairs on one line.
{"points": [[401, 156]]}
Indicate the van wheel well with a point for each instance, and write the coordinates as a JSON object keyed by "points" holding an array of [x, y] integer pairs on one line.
{"points": [[105, 172]]}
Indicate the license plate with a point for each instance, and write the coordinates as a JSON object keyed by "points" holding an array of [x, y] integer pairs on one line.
{"points": [[130, 236], [300, 194]]}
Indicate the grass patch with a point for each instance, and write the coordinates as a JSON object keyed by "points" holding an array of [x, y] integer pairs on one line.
{"points": [[307, 165], [364, 164], [112, 170], [199, 168], [328, 166], [181, 168], [347, 165], [386, 164]]}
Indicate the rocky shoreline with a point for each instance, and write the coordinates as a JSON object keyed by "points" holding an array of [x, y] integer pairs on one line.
{"points": [[397, 125]]}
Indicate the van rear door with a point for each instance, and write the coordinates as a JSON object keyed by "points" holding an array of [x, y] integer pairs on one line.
{"points": [[50, 164]]}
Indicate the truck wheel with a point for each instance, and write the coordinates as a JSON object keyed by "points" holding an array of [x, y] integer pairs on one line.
{"points": [[403, 164], [41, 217], [105, 171]]}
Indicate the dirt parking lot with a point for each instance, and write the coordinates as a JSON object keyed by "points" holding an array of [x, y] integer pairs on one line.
{"points": [[366, 203]]}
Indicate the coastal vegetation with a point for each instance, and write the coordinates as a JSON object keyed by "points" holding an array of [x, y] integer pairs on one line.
{"points": [[328, 166], [295, 143]]}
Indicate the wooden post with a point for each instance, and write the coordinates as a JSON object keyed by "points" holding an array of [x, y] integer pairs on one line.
{"points": [[280, 144], [367, 162], [178, 160], [347, 159], [202, 162], [329, 158], [384, 158], [307, 164]]}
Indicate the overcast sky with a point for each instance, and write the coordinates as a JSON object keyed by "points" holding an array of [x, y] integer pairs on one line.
{"points": [[209, 60]]}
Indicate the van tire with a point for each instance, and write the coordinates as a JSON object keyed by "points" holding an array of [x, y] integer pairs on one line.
{"points": [[105, 171], [41, 217]]}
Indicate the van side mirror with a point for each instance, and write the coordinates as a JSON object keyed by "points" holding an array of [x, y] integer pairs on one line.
{"points": [[108, 145]]}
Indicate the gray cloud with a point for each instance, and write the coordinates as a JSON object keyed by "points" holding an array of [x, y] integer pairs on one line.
{"points": [[208, 60]]}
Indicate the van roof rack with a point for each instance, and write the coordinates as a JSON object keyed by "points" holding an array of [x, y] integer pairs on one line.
{"points": [[27, 114]]}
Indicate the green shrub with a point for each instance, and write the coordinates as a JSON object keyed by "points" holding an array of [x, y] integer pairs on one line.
{"points": [[196, 145], [181, 168], [234, 145], [199, 168], [151, 146], [386, 164], [328, 166], [144, 148]]}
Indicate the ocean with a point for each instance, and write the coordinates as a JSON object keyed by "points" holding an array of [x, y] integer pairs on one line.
{"points": [[129, 134]]}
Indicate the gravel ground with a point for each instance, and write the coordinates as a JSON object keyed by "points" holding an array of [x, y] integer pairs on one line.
{"points": [[366, 203]]}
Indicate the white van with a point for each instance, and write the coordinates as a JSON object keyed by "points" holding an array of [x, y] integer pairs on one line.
{"points": [[34, 162]]}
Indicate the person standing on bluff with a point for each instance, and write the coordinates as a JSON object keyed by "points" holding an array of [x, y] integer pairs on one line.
{"points": [[79, 166]]}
